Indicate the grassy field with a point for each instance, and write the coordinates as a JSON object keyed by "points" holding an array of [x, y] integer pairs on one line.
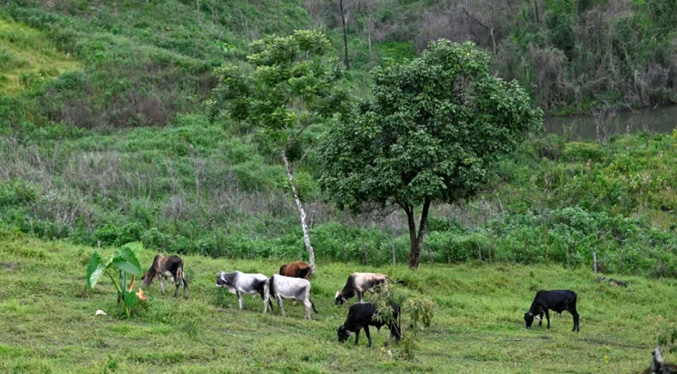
{"points": [[49, 324], [27, 56]]}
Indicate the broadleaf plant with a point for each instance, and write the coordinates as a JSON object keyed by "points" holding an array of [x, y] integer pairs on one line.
{"points": [[118, 266]]}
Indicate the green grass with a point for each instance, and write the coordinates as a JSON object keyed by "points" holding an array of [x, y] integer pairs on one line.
{"points": [[49, 324], [27, 56]]}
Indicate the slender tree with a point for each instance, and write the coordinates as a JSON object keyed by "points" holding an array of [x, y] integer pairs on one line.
{"points": [[431, 132], [346, 60], [293, 87]]}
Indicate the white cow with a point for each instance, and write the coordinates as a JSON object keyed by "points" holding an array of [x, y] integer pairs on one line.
{"points": [[282, 287], [239, 283]]}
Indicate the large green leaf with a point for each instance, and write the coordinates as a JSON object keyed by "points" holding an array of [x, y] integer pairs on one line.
{"points": [[125, 260], [94, 270], [135, 247], [130, 299]]}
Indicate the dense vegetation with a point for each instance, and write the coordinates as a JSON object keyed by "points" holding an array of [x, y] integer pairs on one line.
{"points": [[50, 327], [190, 186]]}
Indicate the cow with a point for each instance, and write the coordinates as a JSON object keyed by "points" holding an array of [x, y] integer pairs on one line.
{"points": [[283, 287], [658, 364], [298, 269], [557, 300], [166, 266], [251, 284], [358, 283], [361, 316]]}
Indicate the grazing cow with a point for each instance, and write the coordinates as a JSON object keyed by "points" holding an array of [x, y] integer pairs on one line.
{"points": [[361, 316], [298, 269], [558, 300], [658, 365], [166, 266], [239, 283], [282, 287], [358, 283]]}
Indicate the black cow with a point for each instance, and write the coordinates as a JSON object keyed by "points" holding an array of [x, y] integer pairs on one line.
{"points": [[557, 300], [361, 316]]}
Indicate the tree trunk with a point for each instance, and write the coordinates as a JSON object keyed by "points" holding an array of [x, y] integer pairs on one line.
{"points": [[417, 239], [302, 212], [345, 35]]}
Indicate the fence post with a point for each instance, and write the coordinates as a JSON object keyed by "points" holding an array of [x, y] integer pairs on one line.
{"points": [[394, 257], [594, 261], [479, 249]]}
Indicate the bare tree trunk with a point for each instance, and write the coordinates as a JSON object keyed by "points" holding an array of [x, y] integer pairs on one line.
{"points": [[278, 17], [417, 239], [302, 212], [345, 35]]}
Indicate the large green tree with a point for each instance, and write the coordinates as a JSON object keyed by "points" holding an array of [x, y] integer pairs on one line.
{"points": [[294, 85], [431, 131]]}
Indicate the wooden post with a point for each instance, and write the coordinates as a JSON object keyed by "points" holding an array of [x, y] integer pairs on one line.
{"points": [[430, 253], [491, 247], [479, 249], [594, 261], [449, 252], [394, 257]]}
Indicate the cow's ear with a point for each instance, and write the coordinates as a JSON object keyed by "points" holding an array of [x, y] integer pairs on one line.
{"points": [[337, 294]]}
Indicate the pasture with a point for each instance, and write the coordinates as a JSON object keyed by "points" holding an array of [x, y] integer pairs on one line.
{"points": [[49, 326]]}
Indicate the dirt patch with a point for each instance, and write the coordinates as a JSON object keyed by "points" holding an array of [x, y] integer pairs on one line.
{"points": [[9, 265]]}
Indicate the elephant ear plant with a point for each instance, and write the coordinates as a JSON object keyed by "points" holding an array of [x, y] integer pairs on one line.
{"points": [[119, 266]]}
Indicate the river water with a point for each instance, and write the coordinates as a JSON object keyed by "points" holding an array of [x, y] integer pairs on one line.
{"points": [[585, 127]]}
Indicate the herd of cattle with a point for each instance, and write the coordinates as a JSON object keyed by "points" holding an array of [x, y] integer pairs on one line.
{"points": [[293, 282]]}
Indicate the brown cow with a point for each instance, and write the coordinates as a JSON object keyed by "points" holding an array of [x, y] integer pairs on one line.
{"points": [[166, 266], [298, 269]]}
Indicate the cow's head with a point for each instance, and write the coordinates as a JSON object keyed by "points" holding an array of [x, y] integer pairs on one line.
{"points": [[339, 299], [343, 334], [529, 319], [146, 279], [224, 279]]}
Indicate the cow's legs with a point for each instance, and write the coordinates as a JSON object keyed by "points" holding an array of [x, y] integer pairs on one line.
{"points": [[577, 326], [308, 305], [185, 287], [547, 316], [366, 331], [279, 303], [540, 321], [162, 284], [357, 336], [177, 283], [360, 296], [239, 299]]}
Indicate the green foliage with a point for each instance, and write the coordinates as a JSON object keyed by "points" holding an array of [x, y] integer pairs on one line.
{"points": [[292, 87], [124, 263], [417, 311], [432, 132]]}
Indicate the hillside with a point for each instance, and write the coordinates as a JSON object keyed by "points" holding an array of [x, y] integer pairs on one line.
{"points": [[118, 147], [50, 326]]}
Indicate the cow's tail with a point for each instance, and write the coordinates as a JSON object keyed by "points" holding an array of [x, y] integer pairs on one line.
{"points": [[271, 290], [179, 275], [312, 305], [266, 293]]}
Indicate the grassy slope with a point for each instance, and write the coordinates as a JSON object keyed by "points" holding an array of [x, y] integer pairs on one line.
{"points": [[27, 55], [49, 323]]}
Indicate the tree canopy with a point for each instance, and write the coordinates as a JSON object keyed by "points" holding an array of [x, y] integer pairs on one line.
{"points": [[294, 85], [431, 132]]}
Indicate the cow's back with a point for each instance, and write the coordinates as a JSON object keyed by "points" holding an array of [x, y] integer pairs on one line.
{"points": [[557, 300]]}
